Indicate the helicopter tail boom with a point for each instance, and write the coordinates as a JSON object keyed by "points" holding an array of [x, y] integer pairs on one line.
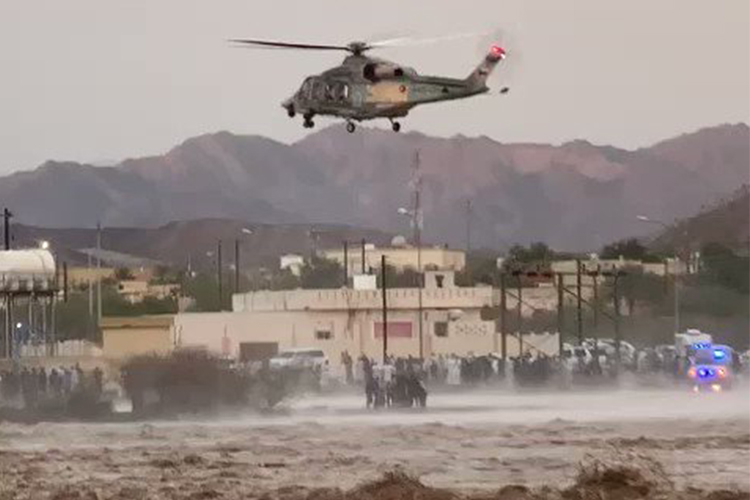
{"points": [[478, 77]]}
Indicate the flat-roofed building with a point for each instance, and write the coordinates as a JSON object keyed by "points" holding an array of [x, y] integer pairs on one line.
{"points": [[123, 337], [439, 258], [337, 320]]}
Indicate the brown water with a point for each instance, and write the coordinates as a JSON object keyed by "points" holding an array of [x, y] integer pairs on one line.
{"points": [[473, 443]]}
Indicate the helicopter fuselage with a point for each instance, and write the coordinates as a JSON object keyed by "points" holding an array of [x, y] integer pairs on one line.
{"points": [[364, 88]]}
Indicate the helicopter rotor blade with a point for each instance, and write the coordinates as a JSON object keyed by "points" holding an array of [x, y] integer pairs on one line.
{"points": [[411, 41], [287, 45]]}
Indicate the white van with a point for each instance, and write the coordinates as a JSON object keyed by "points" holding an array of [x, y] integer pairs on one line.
{"points": [[303, 357]]}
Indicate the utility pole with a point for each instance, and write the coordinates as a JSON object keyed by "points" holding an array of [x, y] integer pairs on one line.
{"points": [[98, 279], [560, 311], [616, 299], [520, 316], [8, 325], [90, 326], [596, 318], [6, 347], [384, 289], [579, 302], [418, 223], [218, 276], [468, 227], [236, 266], [364, 248], [346, 264], [7, 215], [65, 281], [503, 319], [676, 293], [595, 278]]}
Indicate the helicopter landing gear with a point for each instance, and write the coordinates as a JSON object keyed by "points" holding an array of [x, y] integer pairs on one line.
{"points": [[308, 123], [290, 112], [396, 126], [350, 127]]}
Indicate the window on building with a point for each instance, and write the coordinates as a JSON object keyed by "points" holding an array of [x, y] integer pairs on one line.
{"points": [[323, 334], [441, 328]]}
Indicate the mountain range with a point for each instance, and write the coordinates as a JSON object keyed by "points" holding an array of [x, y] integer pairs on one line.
{"points": [[194, 243], [574, 196]]}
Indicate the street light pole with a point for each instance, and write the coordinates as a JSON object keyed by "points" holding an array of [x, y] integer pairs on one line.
{"points": [[675, 271], [7, 215], [418, 221]]}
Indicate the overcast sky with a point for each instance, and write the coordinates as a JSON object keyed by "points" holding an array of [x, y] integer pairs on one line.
{"points": [[99, 80]]}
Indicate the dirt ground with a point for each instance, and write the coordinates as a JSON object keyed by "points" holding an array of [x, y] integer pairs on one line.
{"points": [[504, 445]]}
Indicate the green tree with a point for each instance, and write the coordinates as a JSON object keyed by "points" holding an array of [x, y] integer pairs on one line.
{"points": [[204, 289], [123, 273], [724, 267], [631, 249], [481, 268], [322, 273]]}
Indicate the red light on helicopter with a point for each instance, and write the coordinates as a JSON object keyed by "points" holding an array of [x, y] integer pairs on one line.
{"points": [[497, 51]]}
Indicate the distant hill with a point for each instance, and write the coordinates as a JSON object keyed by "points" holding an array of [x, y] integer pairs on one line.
{"points": [[177, 243], [576, 196], [726, 222]]}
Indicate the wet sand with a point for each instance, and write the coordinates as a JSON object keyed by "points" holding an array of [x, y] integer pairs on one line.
{"points": [[468, 443]]}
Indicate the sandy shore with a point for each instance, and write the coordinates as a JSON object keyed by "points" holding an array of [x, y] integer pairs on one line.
{"points": [[477, 442]]}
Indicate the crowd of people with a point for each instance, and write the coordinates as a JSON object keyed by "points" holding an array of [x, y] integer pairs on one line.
{"points": [[28, 387], [531, 369]]}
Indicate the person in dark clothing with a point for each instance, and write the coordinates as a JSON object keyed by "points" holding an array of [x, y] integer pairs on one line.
{"points": [[371, 387], [346, 360], [42, 381]]}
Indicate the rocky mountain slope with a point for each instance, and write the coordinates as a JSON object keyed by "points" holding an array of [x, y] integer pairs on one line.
{"points": [[575, 196]]}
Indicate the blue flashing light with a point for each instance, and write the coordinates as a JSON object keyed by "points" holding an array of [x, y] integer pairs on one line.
{"points": [[706, 373], [719, 354]]}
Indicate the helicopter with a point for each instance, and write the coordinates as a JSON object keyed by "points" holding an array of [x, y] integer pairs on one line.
{"points": [[365, 88]]}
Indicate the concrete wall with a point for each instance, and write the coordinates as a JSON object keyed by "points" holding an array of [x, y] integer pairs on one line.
{"points": [[345, 299], [352, 331], [400, 258], [126, 337]]}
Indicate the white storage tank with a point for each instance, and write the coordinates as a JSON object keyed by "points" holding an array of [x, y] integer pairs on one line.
{"points": [[26, 269]]}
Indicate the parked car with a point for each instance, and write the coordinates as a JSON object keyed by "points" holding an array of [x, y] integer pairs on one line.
{"points": [[304, 357]]}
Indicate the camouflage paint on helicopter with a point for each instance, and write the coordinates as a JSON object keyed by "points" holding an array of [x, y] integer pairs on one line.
{"points": [[364, 88]]}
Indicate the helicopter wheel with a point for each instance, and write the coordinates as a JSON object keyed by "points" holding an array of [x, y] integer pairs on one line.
{"points": [[291, 112], [350, 127], [308, 123], [396, 126]]}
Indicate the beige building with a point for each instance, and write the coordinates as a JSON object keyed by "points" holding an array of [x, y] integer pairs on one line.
{"points": [[352, 320], [82, 276], [669, 267], [438, 258], [337, 320], [134, 291], [123, 337]]}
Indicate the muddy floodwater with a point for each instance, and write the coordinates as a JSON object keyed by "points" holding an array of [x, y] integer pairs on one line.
{"points": [[468, 443]]}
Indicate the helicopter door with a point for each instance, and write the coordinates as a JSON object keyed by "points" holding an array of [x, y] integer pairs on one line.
{"points": [[319, 90], [339, 92]]}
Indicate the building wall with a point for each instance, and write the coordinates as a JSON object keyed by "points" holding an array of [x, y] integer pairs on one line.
{"points": [[125, 337], [80, 276], [351, 331], [400, 258], [345, 299]]}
